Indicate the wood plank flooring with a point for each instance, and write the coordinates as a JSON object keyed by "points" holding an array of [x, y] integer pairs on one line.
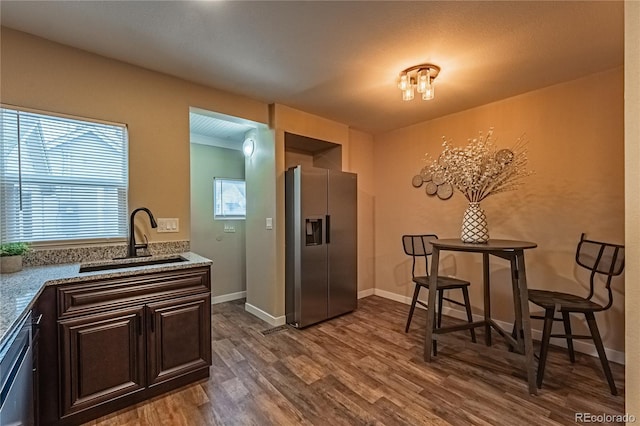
{"points": [[362, 369]]}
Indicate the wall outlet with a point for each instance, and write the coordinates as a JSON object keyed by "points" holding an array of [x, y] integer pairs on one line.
{"points": [[168, 224]]}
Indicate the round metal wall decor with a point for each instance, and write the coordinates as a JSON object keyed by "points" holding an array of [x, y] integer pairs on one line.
{"points": [[504, 156], [426, 174], [438, 178], [435, 183], [431, 188], [445, 191]]}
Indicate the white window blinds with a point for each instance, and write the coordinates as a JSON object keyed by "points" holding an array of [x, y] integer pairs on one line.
{"points": [[61, 178], [229, 199]]}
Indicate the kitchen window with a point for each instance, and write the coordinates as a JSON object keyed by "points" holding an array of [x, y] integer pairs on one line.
{"points": [[229, 199], [61, 178]]}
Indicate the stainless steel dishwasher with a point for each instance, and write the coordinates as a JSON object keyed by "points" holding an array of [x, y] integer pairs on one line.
{"points": [[16, 376]]}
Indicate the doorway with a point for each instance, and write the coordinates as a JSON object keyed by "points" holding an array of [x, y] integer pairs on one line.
{"points": [[218, 197]]}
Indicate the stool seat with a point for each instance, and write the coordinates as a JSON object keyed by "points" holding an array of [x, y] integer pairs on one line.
{"points": [[444, 283], [565, 301]]}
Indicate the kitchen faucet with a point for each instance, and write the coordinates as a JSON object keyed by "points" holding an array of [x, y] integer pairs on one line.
{"points": [[133, 247]]}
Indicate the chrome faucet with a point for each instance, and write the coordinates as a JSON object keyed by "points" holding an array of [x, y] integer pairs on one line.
{"points": [[133, 247]]}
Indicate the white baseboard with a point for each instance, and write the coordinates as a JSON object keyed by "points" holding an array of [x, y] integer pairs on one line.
{"points": [[392, 296], [365, 293], [579, 345], [264, 316], [228, 297]]}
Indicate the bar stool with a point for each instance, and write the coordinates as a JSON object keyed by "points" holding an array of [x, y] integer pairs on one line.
{"points": [[418, 246]]}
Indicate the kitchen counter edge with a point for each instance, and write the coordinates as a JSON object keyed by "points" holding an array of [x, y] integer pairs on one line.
{"points": [[19, 291]]}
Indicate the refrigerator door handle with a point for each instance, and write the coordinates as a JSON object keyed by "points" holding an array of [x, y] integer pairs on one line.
{"points": [[327, 227]]}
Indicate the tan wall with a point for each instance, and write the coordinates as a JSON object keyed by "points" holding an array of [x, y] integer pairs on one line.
{"points": [[302, 123], [361, 162], [39, 74], [576, 147], [292, 159], [632, 194]]}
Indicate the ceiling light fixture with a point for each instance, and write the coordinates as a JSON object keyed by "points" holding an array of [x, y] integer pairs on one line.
{"points": [[420, 78]]}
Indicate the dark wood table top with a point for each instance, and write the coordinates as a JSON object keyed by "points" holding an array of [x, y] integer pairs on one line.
{"points": [[493, 245]]}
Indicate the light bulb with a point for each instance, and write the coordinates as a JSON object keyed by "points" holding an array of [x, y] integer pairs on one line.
{"points": [[404, 82], [423, 82], [248, 147], [429, 93], [428, 89], [407, 94]]}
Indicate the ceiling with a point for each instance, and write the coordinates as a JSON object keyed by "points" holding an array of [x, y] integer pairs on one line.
{"points": [[215, 129], [341, 59]]}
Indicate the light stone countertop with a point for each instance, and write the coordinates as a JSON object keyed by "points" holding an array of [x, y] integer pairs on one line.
{"points": [[19, 291]]}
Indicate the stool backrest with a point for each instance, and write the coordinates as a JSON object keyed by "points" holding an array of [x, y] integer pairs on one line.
{"points": [[601, 259], [418, 246]]}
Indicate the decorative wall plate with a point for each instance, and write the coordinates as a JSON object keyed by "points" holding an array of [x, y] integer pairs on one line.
{"points": [[438, 178], [416, 181], [504, 156], [445, 191], [431, 188], [426, 174]]}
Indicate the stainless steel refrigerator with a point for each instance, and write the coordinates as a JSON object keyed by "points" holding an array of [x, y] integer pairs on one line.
{"points": [[321, 244]]}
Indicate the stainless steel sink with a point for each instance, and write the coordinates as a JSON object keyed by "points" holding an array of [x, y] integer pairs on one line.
{"points": [[130, 263]]}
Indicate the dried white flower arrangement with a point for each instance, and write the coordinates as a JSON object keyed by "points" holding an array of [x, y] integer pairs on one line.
{"points": [[480, 169]]}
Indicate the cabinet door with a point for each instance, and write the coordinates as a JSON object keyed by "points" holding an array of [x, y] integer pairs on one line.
{"points": [[179, 337], [102, 358]]}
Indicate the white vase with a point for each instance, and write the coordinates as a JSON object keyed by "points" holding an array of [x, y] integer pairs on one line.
{"points": [[10, 264], [474, 225]]}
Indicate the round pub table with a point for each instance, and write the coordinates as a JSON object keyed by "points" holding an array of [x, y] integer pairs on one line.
{"points": [[512, 251]]}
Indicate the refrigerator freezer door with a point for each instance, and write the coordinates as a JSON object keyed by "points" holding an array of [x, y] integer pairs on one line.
{"points": [[307, 208], [342, 242]]}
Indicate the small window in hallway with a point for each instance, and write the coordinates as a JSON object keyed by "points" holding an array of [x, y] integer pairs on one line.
{"points": [[229, 198]]}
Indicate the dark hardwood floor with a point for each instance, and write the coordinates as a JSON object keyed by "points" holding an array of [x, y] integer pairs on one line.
{"points": [[362, 369]]}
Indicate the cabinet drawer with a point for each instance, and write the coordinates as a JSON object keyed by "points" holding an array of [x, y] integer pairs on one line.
{"points": [[112, 293]]}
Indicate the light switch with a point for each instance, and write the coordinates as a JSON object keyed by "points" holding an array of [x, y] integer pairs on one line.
{"points": [[269, 223], [168, 224]]}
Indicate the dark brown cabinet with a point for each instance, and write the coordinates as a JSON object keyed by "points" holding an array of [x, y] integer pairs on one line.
{"points": [[123, 340], [102, 357], [178, 341]]}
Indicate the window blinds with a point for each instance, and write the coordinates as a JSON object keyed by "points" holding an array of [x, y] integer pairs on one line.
{"points": [[230, 199], [61, 178]]}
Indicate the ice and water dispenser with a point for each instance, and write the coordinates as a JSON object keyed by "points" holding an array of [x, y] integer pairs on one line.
{"points": [[313, 231]]}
